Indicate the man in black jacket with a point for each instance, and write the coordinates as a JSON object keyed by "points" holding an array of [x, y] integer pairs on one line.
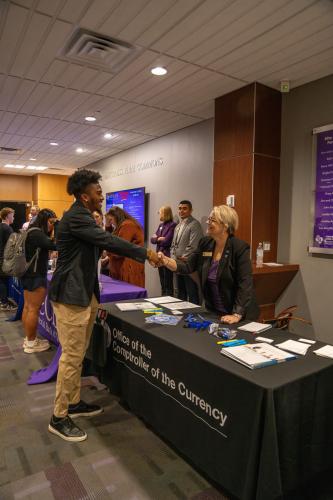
{"points": [[6, 219], [74, 292]]}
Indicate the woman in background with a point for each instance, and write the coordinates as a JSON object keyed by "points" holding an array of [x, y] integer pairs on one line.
{"points": [[34, 281], [163, 239], [103, 263], [126, 227]]}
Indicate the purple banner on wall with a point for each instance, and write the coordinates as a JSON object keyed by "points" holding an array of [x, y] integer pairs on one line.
{"points": [[323, 222]]}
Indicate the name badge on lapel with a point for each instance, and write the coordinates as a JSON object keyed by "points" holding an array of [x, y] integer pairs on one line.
{"points": [[207, 254]]}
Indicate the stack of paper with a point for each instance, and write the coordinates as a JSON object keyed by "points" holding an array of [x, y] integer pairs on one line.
{"points": [[326, 351], [180, 305], [134, 306], [294, 346], [163, 300], [254, 327], [257, 355]]}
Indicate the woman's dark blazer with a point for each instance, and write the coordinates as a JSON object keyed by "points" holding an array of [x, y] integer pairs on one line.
{"points": [[234, 275]]}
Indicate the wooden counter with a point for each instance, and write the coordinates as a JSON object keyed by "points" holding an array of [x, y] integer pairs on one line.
{"points": [[269, 283]]}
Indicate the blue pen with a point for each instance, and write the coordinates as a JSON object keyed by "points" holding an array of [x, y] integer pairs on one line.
{"points": [[233, 344]]}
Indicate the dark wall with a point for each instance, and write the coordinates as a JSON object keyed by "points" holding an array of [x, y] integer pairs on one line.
{"points": [[20, 208]]}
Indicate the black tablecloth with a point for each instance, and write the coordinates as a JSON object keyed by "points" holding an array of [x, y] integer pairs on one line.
{"points": [[261, 434]]}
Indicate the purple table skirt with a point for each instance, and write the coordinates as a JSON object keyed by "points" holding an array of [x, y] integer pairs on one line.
{"points": [[112, 291]]}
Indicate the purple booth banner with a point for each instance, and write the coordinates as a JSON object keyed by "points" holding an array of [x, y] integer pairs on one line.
{"points": [[323, 223]]}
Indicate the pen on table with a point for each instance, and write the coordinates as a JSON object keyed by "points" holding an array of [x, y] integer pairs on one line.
{"points": [[228, 341], [236, 342]]}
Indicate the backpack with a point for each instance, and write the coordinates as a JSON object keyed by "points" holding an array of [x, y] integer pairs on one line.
{"points": [[14, 260]]}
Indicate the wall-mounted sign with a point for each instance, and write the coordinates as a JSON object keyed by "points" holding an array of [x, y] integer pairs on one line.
{"points": [[137, 167], [323, 210]]}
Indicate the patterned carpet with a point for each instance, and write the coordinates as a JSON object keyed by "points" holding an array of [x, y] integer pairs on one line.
{"points": [[121, 459]]}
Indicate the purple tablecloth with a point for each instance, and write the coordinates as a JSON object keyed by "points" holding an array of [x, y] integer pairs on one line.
{"points": [[112, 291]]}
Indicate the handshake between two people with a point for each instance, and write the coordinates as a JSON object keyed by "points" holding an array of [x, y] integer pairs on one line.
{"points": [[158, 259]]}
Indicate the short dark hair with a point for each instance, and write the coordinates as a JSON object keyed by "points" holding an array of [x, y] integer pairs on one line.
{"points": [[41, 220], [78, 182], [186, 202]]}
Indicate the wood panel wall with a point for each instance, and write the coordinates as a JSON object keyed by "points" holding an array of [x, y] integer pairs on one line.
{"points": [[50, 192], [15, 188], [247, 161]]}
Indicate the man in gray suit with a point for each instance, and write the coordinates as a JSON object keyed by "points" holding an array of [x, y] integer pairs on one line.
{"points": [[185, 240]]}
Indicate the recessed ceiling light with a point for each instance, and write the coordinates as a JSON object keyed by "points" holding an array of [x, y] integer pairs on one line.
{"points": [[9, 165], [108, 135], [54, 144], [34, 167], [159, 71], [79, 150], [32, 159], [90, 118]]}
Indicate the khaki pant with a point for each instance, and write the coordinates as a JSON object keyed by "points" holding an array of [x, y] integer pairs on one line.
{"points": [[74, 326]]}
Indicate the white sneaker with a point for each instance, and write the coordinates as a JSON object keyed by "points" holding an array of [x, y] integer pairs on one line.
{"points": [[38, 346], [41, 341]]}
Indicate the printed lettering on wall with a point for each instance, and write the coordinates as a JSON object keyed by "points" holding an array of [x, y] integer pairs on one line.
{"points": [[137, 167], [323, 213]]}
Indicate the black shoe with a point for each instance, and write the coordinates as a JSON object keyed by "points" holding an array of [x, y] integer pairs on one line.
{"points": [[66, 429], [83, 409]]}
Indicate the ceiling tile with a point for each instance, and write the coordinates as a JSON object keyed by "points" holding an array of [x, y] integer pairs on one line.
{"points": [[292, 54], [206, 17], [5, 120], [70, 74], [73, 10], [31, 42], [37, 95], [72, 102], [97, 13], [8, 91], [54, 72], [16, 17], [299, 70], [86, 76], [272, 33], [148, 15], [50, 100], [53, 43], [141, 63], [121, 16], [48, 7], [166, 22]]}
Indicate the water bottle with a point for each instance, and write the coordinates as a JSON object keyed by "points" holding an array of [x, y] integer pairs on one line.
{"points": [[260, 256]]}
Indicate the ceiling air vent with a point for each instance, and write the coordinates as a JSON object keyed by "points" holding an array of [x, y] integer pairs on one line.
{"points": [[99, 51], [3, 149]]}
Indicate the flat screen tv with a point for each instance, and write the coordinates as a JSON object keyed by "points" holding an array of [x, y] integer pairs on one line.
{"points": [[131, 200]]}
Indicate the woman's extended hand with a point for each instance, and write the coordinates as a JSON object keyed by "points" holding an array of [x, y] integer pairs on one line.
{"points": [[167, 262]]}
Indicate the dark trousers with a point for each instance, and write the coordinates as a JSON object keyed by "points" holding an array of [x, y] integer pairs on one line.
{"points": [[166, 279], [3, 289], [187, 289]]}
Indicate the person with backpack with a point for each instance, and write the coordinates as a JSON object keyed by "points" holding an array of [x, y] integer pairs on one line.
{"points": [[38, 244], [7, 218]]}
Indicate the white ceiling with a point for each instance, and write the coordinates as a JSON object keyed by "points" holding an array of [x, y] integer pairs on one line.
{"points": [[210, 47]]}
